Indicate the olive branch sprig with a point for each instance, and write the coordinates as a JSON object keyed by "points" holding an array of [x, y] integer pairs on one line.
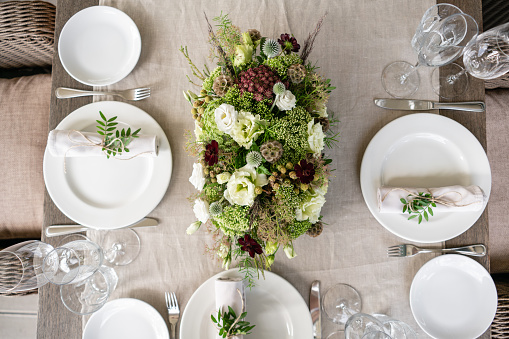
{"points": [[229, 326], [419, 206], [115, 141]]}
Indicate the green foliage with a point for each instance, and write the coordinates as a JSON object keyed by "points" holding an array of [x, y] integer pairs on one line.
{"points": [[419, 206], [245, 102], [234, 221], [282, 62], [208, 82], [227, 325], [287, 202], [115, 141], [298, 228]]}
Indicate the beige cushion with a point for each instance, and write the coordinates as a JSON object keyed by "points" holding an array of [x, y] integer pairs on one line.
{"points": [[24, 114], [497, 127]]}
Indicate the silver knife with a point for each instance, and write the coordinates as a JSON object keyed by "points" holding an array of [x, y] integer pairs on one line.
{"points": [[315, 309], [56, 230], [425, 105]]}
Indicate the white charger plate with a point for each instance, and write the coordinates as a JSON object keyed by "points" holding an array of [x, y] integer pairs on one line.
{"points": [[106, 193], [127, 319], [452, 297], [273, 305], [424, 150], [99, 45]]}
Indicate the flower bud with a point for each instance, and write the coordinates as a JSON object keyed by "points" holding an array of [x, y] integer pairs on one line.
{"points": [[304, 187], [193, 227], [208, 99], [270, 247], [258, 190], [276, 186], [272, 178], [223, 177], [289, 251], [194, 112], [201, 110], [289, 165], [213, 180], [270, 260], [293, 175], [203, 92]]}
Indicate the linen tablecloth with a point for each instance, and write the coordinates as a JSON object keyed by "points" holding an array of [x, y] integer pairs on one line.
{"points": [[358, 38]]}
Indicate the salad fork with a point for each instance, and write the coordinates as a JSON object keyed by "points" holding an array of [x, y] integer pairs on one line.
{"points": [[408, 250], [129, 94], [173, 311]]}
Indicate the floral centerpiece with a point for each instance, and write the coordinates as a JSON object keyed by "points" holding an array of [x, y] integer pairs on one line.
{"points": [[261, 123]]}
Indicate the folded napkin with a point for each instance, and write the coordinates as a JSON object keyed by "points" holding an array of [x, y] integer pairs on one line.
{"points": [[71, 143], [448, 199], [227, 294]]}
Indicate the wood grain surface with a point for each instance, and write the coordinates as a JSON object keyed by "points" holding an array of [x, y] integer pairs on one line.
{"points": [[54, 320]]}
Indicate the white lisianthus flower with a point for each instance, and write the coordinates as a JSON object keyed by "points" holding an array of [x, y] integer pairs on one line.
{"points": [[310, 207], [286, 101], [201, 210], [226, 117], [197, 178], [198, 131], [247, 129], [193, 227], [223, 177], [315, 137], [289, 251], [240, 189]]}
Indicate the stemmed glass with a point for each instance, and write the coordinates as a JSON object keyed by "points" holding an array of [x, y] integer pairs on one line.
{"points": [[361, 324], [397, 329], [121, 246], [21, 266], [340, 302], [485, 57], [440, 38]]}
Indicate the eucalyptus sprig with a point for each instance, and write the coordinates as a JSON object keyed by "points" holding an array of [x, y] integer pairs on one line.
{"points": [[228, 326], [115, 141], [419, 206]]}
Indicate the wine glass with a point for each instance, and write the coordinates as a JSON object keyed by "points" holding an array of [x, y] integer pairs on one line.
{"points": [[20, 266], [361, 324], [73, 262], [377, 335], [121, 246], [440, 39], [340, 302], [397, 329], [485, 57], [89, 295]]}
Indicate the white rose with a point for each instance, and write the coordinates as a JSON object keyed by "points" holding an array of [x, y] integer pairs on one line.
{"points": [[193, 227], [310, 207], [223, 177], [286, 101], [240, 189], [198, 131], [315, 137], [201, 210], [226, 117], [247, 129], [197, 178]]}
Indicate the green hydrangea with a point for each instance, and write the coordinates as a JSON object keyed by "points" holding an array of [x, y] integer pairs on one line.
{"points": [[234, 221], [207, 83], [213, 191], [209, 127], [245, 102], [298, 228], [282, 62]]}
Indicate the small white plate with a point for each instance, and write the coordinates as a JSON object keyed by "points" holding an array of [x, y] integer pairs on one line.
{"points": [[127, 319], [106, 193], [99, 45], [273, 305], [424, 150], [452, 297]]}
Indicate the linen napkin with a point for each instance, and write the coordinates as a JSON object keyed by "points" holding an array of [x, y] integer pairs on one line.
{"points": [[448, 199], [227, 295], [70, 143]]}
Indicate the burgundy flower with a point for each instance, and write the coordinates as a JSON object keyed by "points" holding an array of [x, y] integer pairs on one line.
{"points": [[211, 153], [288, 43], [305, 171], [259, 81], [250, 245]]}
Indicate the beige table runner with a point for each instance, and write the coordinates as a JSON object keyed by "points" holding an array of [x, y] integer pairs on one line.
{"points": [[358, 38]]}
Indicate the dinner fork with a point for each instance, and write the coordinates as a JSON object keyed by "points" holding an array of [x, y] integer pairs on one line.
{"points": [[173, 311], [408, 250], [129, 94]]}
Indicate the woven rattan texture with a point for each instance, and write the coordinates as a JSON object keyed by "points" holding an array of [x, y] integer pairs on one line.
{"points": [[11, 272], [502, 82], [500, 325], [27, 31]]}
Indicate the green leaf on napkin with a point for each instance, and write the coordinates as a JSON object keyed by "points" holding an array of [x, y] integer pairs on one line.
{"points": [[418, 206], [115, 141]]}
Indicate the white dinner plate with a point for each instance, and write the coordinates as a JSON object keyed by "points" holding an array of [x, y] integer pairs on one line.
{"points": [[424, 150], [126, 319], [453, 297], [273, 305], [106, 193], [99, 45]]}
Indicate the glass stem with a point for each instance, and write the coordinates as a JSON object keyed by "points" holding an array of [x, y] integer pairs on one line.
{"points": [[451, 79], [405, 76]]}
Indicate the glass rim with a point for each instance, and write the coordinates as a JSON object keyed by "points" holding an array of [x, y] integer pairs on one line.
{"points": [[22, 274], [53, 252], [330, 289]]}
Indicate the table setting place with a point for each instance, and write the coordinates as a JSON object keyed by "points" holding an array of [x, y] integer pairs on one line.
{"points": [[311, 190]]}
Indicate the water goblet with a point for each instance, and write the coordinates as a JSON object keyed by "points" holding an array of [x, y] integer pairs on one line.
{"points": [[340, 302], [397, 329], [361, 324], [377, 335], [121, 246], [21, 266], [89, 295]]}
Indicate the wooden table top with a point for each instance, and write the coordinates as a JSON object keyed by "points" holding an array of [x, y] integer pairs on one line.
{"points": [[55, 321]]}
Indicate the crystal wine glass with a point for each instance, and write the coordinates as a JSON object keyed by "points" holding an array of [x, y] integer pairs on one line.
{"points": [[340, 302], [21, 266], [121, 246], [377, 335], [485, 57], [72, 262], [361, 324], [440, 39], [397, 329], [90, 294]]}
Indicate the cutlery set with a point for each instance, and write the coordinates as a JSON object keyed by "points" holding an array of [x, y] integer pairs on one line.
{"points": [[57, 230], [425, 105], [408, 250], [134, 94]]}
